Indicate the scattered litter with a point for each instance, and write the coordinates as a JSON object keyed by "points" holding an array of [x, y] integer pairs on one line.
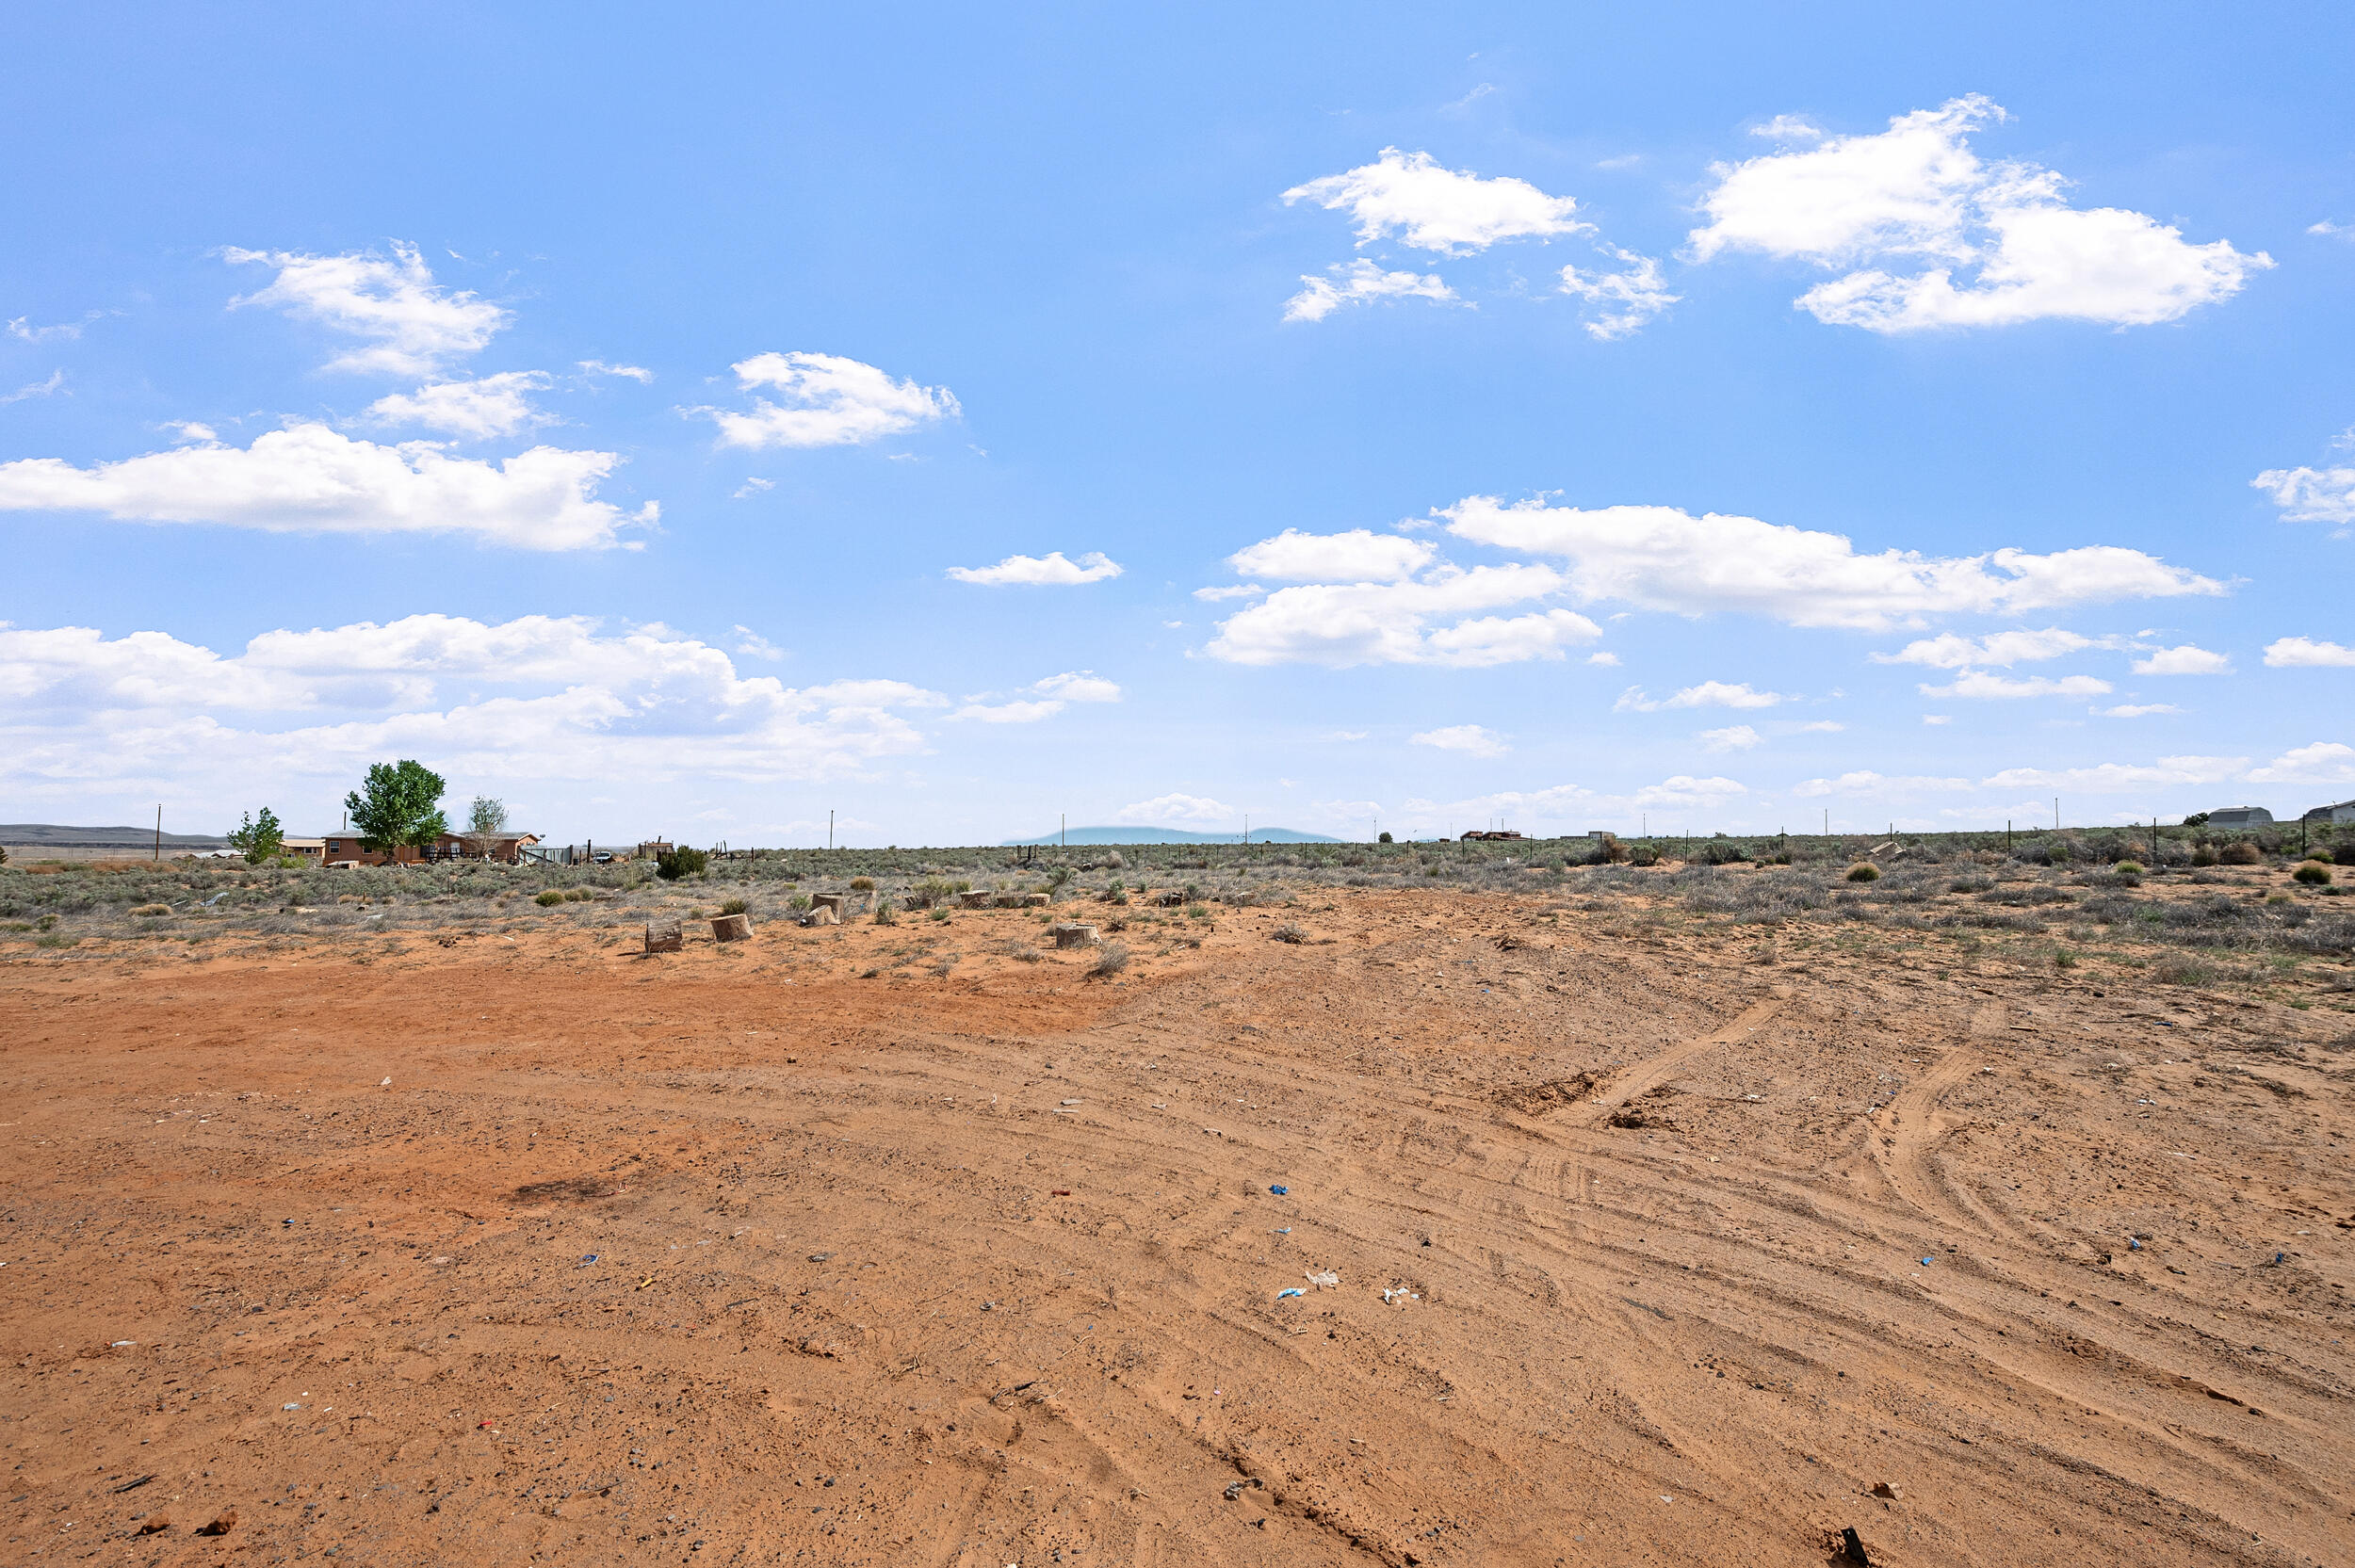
{"points": [[122, 1344], [1327, 1279], [1400, 1294], [1074, 1102], [1060, 1193], [291, 1404], [1214, 1132], [1926, 1263], [1280, 1191], [1286, 1230], [642, 1283], [2281, 1257], [486, 1426], [821, 1258], [440, 1260], [1295, 1291], [1851, 1547], [2133, 1244], [588, 1257]]}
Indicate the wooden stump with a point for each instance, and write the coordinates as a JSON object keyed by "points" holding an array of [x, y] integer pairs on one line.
{"points": [[732, 928], [1035, 901], [834, 901], [975, 901], [822, 914], [1068, 936], [665, 937]]}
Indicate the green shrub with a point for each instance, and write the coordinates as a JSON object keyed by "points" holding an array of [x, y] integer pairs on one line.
{"points": [[549, 897], [2240, 854], [2204, 856], [151, 910], [1864, 871], [884, 916], [673, 864], [862, 884], [2313, 872], [733, 906], [2128, 868]]}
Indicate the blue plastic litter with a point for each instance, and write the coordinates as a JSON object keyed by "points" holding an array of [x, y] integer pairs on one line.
{"points": [[1280, 1191], [1926, 1263], [2133, 1244], [2281, 1257], [588, 1257], [1285, 1231], [1295, 1291]]}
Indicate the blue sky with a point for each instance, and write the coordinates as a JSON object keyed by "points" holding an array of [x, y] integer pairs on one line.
{"points": [[1356, 415]]}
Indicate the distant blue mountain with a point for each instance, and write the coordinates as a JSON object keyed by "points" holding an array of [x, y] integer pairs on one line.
{"points": [[1172, 835]]}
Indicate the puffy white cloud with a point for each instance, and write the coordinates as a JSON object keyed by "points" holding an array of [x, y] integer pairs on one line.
{"points": [[1176, 811], [1360, 282], [1708, 694], [1050, 570], [1819, 726], [1604, 661], [1432, 208], [1360, 554], [752, 487], [1868, 782], [2135, 710], [1009, 713], [412, 325], [753, 645], [2111, 778], [487, 406], [537, 697], [1910, 205], [1951, 651], [309, 478], [1078, 686], [1470, 740], [1659, 558], [1733, 738], [1625, 300], [2184, 660], [1980, 683], [825, 400], [2310, 495], [1233, 590], [2325, 762], [2304, 653], [633, 372], [1343, 624]]}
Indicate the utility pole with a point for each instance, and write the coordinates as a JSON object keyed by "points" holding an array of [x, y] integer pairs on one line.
{"points": [[159, 832], [830, 830], [2155, 841], [1063, 830], [2056, 814]]}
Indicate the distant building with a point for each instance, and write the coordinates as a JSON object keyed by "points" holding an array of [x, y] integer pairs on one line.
{"points": [[312, 849], [2241, 816], [1489, 833], [2343, 811]]}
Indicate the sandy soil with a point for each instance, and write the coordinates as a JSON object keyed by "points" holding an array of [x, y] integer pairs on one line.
{"points": [[1643, 1251]]}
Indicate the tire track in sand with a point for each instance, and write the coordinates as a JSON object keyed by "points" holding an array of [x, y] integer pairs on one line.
{"points": [[1651, 1073]]}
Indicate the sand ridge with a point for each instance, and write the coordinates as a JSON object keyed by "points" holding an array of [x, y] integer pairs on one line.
{"points": [[1646, 1253]]}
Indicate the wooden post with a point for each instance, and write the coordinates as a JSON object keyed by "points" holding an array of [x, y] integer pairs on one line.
{"points": [[159, 834]]}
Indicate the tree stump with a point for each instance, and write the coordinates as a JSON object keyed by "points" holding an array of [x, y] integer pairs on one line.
{"points": [[732, 928], [1069, 935], [665, 937]]}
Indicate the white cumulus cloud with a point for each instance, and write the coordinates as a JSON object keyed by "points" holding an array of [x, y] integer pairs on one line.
{"points": [[2112, 778], [1340, 624], [487, 406], [1078, 686], [412, 325], [1434, 208], [1360, 282], [1867, 781], [1938, 237], [91, 718], [1980, 683], [1662, 559], [1049, 570], [1360, 554], [308, 479], [1470, 740], [2186, 661], [1624, 301], [2135, 710], [2325, 762], [825, 400], [1951, 651], [632, 372], [1174, 810], [2305, 653], [1708, 694], [1008, 713], [1733, 738], [2310, 495]]}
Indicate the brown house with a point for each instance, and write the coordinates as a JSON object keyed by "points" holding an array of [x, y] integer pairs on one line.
{"points": [[501, 849]]}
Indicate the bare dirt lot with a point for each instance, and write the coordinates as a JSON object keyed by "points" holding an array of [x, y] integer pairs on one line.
{"points": [[1469, 1229]]}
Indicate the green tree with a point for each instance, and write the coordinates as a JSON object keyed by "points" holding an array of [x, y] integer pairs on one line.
{"points": [[260, 837], [397, 805], [485, 820]]}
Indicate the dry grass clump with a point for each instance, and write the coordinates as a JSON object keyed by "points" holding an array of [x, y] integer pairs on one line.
{"points": [[1111, 961], [151, 910], [1289, 933], [2313, 873], [1863, 871], [735, 906]]}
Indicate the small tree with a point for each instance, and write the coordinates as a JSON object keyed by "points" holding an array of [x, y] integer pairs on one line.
{"points": [[673, 864], [260, 837], [397, 805], [486, 819]]}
